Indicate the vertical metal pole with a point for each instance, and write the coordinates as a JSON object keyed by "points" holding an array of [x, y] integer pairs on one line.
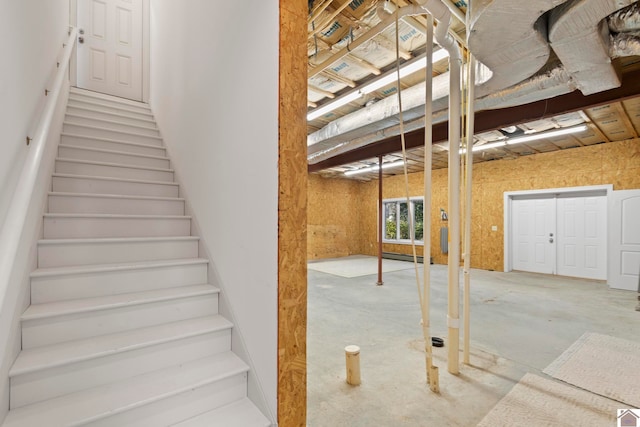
{"points": [[380, 219], [471, 80]]}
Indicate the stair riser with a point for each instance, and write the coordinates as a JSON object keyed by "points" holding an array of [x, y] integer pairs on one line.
{"points": [[110, 134], [97, 186], [112, 145], [112, 124], [107, 205], [182, 406], [98, 284], [50, 383], [110, 102], [122, 159], [73, 228], [88, 253], [122, 116], [89, 169], [86, 103], [46, 331]]}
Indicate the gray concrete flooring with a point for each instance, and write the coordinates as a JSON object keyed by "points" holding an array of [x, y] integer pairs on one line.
{"points": [[520, 323]]}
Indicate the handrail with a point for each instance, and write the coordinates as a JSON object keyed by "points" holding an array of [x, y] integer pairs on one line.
{"points": [[16, 216]]}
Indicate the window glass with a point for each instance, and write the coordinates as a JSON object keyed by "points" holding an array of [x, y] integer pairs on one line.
{"points": [[404, 221], [418, 214], [390, 213]]}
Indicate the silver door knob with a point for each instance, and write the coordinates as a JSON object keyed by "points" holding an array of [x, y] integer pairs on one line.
{"points": [[551, 240], [80, 40], [81, 31]]}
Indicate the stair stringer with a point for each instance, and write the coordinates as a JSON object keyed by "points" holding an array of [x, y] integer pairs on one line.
{"points": [[255, 390], [18, 295]]}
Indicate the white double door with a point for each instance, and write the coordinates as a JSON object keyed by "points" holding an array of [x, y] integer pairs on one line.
{"points": [[109, 58], [560, 234]]}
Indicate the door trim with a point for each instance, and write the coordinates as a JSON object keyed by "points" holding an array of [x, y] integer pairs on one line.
{"points": [[146, 47], [585, 191]]}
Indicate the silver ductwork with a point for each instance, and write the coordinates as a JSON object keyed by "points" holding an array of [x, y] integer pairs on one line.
{"points": [[543, 86], [579, 34], [513, 45], [384, 113], [509, 39]]}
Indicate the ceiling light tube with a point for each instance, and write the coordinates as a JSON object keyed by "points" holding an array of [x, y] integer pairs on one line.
{"points": [[488, 146], [343, 100], [543, 135], [374, 168]]}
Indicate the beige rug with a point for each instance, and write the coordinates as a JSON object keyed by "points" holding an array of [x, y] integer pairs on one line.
{"points": [[357, 265], [537, 401], [602, 364]]}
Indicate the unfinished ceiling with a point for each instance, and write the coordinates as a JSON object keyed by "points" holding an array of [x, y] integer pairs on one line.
{"points": [[537, 50]]}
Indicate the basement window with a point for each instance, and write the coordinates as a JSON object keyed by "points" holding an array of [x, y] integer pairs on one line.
{"points": [[396, 220]]}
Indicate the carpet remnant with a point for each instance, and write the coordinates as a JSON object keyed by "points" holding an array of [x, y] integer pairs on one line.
{"points": [[601, 364], [537, 401]]}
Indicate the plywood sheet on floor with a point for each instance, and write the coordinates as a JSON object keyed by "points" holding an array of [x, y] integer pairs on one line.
{"points": [[602, 364], [537, 401], [357, 265]]}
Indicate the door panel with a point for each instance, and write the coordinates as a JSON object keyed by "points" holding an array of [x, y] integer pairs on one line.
{"points": [[624, 239], [533, 222], [581, 238], [110, 58]]}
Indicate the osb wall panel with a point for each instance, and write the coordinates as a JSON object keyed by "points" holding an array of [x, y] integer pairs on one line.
{"points": [[333, 218], [615, 163], [292, 215]]}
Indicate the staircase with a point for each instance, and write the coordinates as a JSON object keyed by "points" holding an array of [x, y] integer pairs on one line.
{"points": [[123, 328]]}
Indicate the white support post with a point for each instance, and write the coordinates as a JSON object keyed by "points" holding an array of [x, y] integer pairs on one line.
{"points": [[471, 78]]}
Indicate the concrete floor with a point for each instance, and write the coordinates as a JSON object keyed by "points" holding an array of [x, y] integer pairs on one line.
{"points": [[521, 322]]}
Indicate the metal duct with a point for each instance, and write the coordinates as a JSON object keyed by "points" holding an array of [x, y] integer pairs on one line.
{"points": [[509, 38], [580, 37], [512, 44], [625, 20], [383, 113], [543, 86], [379, 121]]}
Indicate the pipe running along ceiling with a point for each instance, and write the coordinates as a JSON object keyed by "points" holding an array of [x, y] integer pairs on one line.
{"points": [[536, 50]]}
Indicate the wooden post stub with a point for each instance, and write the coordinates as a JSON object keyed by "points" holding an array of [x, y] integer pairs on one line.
{"points": [[352, 354]]}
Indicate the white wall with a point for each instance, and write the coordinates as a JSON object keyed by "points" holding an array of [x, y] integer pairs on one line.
{"points": [[214, 90], [32, 32]]}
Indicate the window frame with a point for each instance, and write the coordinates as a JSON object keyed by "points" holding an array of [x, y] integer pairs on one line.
{"points": [[399, 201]]}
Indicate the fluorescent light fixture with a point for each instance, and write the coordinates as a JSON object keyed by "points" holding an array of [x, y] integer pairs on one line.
{"points": [[543, 135], [405, 70], [486, 146], [343, 100], [374, 168], [528, 138]]}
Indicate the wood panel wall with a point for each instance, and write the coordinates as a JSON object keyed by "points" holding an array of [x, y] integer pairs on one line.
{"points": [[616, 163], [292, 215], [333, 218]]}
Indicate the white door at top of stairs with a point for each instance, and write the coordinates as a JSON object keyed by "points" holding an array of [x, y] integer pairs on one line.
{"points": [[559, 233], [110, 47], [624, 240]]}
